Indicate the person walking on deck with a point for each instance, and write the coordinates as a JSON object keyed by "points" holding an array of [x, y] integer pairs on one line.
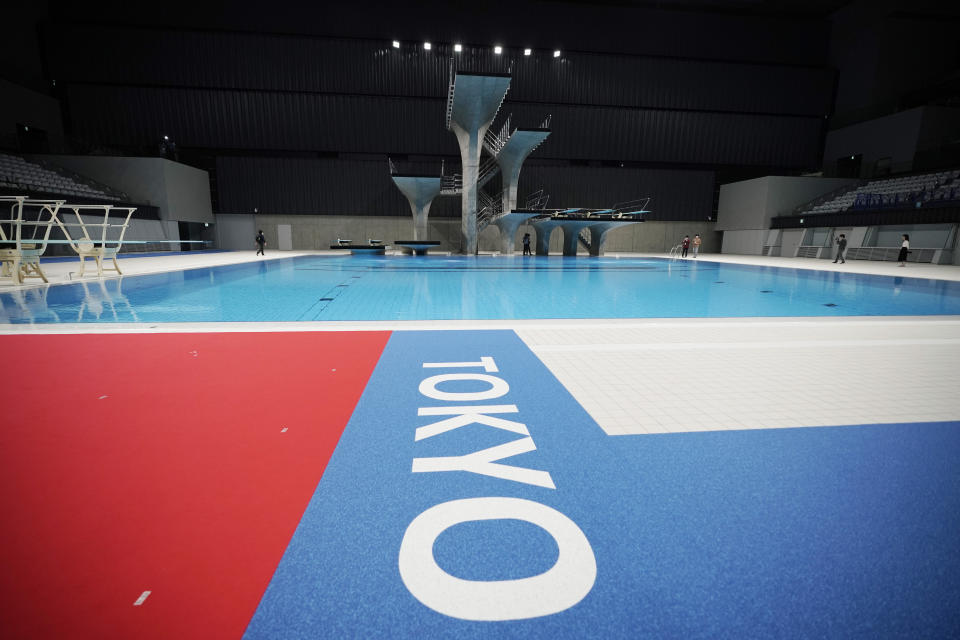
{"points": [[841, 247]]}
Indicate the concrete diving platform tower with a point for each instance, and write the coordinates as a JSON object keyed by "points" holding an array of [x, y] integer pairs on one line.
{"points": [[510, 156], [472, 104], [420, 192]]}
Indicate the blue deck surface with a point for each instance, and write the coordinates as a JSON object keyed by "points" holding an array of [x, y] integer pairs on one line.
{"points": [[836, 532], [441, 288]]}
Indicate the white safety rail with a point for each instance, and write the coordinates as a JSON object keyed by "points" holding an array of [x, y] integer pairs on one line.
{"points": [[23, 259], [488, 170], [495, 142], [110, 239], [537, 200], [452, 82], [491, 208]]}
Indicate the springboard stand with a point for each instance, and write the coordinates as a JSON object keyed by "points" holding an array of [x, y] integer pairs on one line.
{"points": [[110, 239], [23, 259]]}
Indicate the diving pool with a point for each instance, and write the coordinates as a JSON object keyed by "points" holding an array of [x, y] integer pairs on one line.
{"points": [[357, 288]]}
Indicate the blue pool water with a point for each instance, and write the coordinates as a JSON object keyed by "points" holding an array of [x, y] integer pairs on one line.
{"points": [[442, 288]]}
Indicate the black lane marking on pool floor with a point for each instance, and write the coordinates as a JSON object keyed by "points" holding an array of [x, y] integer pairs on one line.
{"points": [[320, 305], [508, 269]]}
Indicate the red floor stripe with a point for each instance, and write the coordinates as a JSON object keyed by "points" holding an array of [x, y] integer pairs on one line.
{"points": [[179, 481]]}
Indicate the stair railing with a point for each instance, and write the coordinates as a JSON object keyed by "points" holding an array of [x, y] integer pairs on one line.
{"points": [[495, 142], [452, 82], [487, 171]]}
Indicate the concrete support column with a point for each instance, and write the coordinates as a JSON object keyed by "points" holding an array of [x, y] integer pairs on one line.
{"points": [[571, 238], [420, 221], [420, 192], [510, 178], [470, 149], [508, 226], [521, 144], [543, 240], [598, 236], [475, 101]]}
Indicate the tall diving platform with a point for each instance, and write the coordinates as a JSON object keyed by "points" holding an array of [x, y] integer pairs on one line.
{"points": [[472, 104], [420, 192], [511, 149]]}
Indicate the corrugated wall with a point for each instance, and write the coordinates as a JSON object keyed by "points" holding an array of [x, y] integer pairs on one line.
{"points": [[242, 96], [315, 185], [103, 55], [363, 187], [129, 116]]}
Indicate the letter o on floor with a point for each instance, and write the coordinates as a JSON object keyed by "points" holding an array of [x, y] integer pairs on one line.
{"points": [[563, 585]]}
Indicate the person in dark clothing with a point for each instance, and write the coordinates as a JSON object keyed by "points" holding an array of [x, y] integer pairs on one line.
{"points": [[686, 246], [904, 250], [261, 241], [841, 246], [526, 245]]}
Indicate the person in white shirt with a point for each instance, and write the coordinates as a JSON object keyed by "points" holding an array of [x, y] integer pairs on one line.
{"points": [[904, 250]]}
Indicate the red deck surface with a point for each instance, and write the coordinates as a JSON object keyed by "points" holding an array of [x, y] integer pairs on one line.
{"points": [[179, 481]]}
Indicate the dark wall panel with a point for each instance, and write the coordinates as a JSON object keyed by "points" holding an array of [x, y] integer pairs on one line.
{"points": [[675, 194], [370, 124], [359, 187], [92, 54], [678, 136], [315, 186], [703, 29], [666, 83], [124, 116]]}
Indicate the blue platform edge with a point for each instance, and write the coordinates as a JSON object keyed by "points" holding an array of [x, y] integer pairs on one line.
{"points": [[829, 531]]}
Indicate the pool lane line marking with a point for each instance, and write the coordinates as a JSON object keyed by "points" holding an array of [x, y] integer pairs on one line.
{"points": [[327, 298], [143, 596]]}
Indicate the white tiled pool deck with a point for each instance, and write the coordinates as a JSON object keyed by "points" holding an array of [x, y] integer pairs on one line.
{"points": [[675, 375]]}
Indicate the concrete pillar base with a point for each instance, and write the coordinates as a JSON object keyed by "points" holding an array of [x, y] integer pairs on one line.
{"points": [[571, 239]]}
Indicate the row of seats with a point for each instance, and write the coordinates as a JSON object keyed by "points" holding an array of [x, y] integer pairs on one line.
{"points": [[17, 173], [926, 187]]}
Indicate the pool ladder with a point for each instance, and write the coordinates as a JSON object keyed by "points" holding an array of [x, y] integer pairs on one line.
{"points": [[675, 252]]}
